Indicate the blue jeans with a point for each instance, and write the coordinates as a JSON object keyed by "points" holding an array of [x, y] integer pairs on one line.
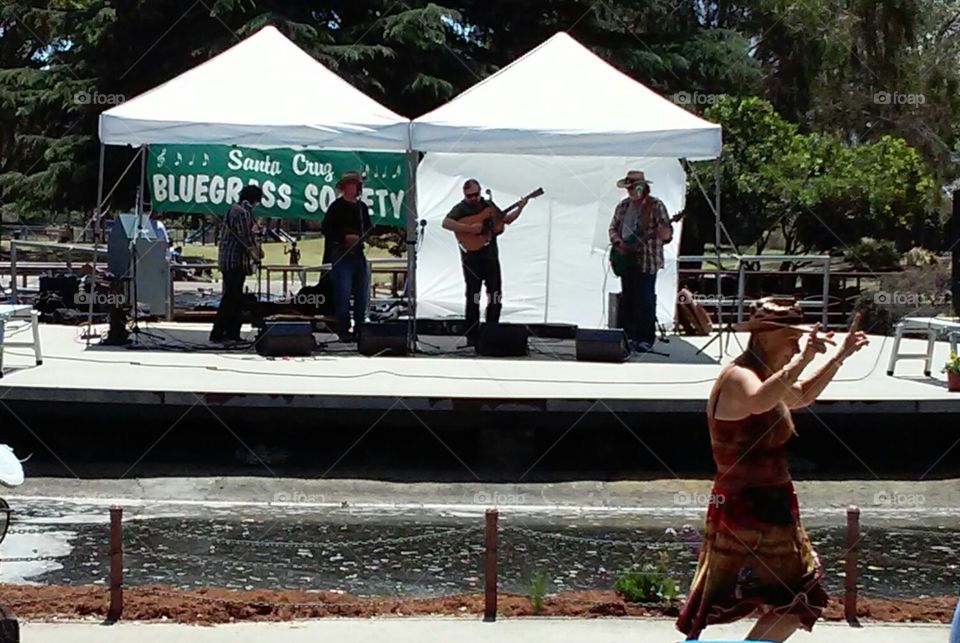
{"points": [[349, 278]]}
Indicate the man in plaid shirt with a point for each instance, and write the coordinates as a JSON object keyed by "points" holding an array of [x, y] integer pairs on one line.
{"points": [[237, 257], [639, 228]]}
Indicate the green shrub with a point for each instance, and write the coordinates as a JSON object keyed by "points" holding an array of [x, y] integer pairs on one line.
{"points": [[649, 584], [918, 257], [873, 254], [538, 589]]}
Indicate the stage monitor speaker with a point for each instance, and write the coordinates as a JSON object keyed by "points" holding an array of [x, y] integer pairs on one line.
{"points": [[602, 345], [285, 339], [389, 338], [553, 331], [503, 340]]}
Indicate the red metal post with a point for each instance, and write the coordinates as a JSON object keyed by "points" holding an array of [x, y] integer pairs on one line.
{"points": [[116, 564], [850, 567], [490, 567]]}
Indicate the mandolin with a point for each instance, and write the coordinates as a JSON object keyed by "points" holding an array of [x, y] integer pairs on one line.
{"points": [[619, 261], [493, 224]]}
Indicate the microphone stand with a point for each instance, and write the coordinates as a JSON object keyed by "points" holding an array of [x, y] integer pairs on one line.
{"points": [[418, 244]]}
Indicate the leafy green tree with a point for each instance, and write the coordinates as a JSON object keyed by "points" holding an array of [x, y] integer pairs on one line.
{"points": [[814, 190]]}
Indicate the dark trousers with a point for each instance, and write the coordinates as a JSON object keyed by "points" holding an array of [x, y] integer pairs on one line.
{"points": [[230, 311], [638, 304], [349, 279], [479, 268]]}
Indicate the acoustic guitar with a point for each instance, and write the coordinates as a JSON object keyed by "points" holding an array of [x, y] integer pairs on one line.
{"points": [[493, 224], [620, 261]]}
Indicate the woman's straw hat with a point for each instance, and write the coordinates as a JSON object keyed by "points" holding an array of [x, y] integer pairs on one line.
{"points": [[774, 313]]}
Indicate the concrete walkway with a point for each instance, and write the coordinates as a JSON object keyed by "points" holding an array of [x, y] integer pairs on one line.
{"points": [[462, 630]]}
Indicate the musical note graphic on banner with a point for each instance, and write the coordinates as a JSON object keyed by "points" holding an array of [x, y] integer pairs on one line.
{"points": [[162, 157]]}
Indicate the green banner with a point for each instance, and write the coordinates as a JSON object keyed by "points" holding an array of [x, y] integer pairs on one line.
{"points": [[205, 179]]}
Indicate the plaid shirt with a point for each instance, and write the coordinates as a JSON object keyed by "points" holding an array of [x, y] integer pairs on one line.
{"points": [[649, 248], [237, 246]]}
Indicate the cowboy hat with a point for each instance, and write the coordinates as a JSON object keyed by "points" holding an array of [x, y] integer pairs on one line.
{"points": [[632, 178], [774, 313], [350, 176]]}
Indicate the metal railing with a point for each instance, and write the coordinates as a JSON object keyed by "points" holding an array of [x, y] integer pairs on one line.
{"points": [[743, 266], [68, 248]]}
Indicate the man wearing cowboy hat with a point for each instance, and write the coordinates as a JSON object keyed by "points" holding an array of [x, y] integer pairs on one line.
{"points": [[638, 230], [345, 224]]}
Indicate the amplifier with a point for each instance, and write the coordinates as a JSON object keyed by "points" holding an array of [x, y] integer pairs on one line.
{"points": [[283, 339], [503, 340], [385, 338], [602, 345]]}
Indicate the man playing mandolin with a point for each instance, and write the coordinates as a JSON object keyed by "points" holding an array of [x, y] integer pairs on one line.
{"points": [[480, 266], [639, 228]]}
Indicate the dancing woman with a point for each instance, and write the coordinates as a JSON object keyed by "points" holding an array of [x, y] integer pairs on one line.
{"points": [[756, 554]]}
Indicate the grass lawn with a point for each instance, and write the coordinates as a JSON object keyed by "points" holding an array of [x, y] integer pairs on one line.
{"points": [[311, 252]]}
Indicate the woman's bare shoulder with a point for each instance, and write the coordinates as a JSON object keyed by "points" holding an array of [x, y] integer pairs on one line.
{"points": [[735, 372], [731, 386]]}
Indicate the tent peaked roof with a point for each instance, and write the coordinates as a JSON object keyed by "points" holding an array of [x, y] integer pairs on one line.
{"points": [[262, 91], [562, 99]]}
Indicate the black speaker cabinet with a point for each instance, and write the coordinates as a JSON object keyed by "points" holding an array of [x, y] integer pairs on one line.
{"points": [[553, 331], [602, 345], [389, 338], [503, 340], [283, 339]]}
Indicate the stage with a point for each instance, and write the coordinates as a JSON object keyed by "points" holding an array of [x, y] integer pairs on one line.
{"points": [[179, 404], [174, 364]]}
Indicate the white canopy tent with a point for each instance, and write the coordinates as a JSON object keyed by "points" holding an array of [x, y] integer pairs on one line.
{"points": [[561, 118], [291, 99]]}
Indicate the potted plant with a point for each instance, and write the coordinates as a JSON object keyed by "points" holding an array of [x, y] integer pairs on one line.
{"points": [[952, 369]]}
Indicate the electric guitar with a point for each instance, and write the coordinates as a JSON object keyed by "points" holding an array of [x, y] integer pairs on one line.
{"points": [[493, 225], [620, 261]]}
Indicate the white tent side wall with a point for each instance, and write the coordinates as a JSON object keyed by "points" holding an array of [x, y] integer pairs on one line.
{"points": [[554, 258]]}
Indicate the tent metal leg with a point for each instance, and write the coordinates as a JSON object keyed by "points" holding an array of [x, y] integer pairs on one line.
{"points": [[96, 241], [410, 208]]}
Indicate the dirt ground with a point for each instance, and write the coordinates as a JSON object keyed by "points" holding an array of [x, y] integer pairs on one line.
{"points": [[209, 606]]}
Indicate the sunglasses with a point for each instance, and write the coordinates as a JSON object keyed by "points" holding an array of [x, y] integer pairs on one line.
{"points": [[471, 195]]}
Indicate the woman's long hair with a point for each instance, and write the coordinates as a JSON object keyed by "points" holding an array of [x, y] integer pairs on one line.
{"points": [[754, 357]]}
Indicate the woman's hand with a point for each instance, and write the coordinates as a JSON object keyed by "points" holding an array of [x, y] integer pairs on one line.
{"points": [[854, 341], [817, 343]]}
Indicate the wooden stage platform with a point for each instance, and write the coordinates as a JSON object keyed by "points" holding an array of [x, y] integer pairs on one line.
{"points": [[175, 364], [177, 402]]}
